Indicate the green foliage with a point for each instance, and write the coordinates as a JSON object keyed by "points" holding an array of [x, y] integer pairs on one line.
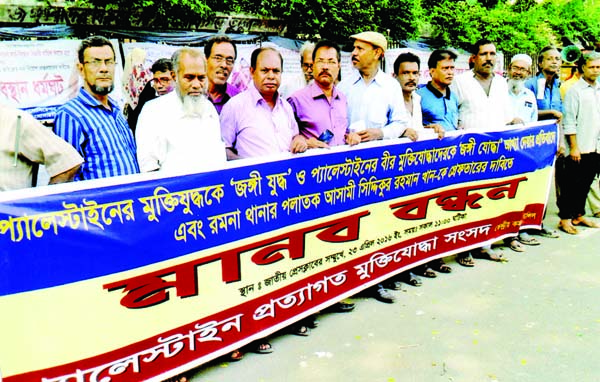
{"points": [[515, 26], [524, 26], [524, 5], [402, 18], [337, 19], [156, 13]]}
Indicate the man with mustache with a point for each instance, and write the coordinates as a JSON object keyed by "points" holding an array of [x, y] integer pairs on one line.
{"points": [[546, 87], [299, 81], [438, 103], [525, 109], [220, 52], [258, 122], [320, 109], [92, 122], [483, 103], [179, 132], [375, 102], [407, 70], [582, 132], [482, 95], [322, 116]]}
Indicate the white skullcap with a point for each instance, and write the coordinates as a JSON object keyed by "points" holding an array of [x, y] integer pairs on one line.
{"points": [[521, 57]]}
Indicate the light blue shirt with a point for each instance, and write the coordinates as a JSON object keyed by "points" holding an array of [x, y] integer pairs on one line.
{"points": [[379, 104], [439, 108], [100, 135], [524, 105], [550, 99]]}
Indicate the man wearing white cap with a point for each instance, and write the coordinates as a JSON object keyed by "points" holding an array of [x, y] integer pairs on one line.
{"points": [[522, 99], [375, 101], [525, 110]]}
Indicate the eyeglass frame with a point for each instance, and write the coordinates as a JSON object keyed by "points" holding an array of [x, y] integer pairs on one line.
{"points": [[97, 63], [219, 59], [161, 80]]}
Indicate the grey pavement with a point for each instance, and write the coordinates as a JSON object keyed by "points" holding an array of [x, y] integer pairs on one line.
{"points": [[534, 318]]}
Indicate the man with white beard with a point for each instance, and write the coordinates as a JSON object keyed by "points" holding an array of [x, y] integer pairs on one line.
{"points": [[180, 132], [522, 99], [525, 110]]}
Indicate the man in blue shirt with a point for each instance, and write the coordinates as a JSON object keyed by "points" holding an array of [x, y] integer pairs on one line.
{"points": [[438, 103], [375, 102], [92, 122], [546, 85]]}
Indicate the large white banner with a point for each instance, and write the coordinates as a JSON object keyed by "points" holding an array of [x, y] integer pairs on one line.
{"points": [[40, 76]]}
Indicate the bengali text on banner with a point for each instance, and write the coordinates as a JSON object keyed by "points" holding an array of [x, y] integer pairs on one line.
{"points": [[141, 281]]}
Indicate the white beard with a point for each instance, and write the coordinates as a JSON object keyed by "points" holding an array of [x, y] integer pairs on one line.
{"points": [[516, 86], [195, 106]]}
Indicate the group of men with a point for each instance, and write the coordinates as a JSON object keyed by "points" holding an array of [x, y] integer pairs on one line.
{"points": [[206, 121]]}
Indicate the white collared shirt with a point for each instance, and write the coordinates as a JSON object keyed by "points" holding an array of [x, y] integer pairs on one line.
{"points": [[477, 110], [170, 142], [524, 105], [416, 119], [379, 104], [582, 115]]}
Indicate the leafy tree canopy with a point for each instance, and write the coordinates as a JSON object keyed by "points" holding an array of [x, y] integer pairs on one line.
{"points": [[515, 25]]}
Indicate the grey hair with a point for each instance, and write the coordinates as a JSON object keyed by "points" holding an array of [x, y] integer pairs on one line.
{"points": [[305, 48], [585, 58], [193, 52]]}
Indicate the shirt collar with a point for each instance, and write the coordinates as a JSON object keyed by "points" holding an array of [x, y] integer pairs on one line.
{"points": [[92, 101], [595, 86], [436, 92], [257, 97], [555, 79], [315, 91], [379, 76]]}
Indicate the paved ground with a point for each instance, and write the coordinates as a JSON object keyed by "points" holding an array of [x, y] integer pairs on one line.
{"points": [[535, 318]]}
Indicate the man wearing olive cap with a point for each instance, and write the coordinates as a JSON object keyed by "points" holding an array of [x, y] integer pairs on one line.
{"points": [[375, 104], [375, 101]]}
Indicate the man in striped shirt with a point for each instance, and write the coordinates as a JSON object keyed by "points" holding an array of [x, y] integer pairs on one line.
{"points": [[92, 122]]}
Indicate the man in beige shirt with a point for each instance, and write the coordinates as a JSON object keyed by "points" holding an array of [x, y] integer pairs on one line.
{"points": [[23, 142]]}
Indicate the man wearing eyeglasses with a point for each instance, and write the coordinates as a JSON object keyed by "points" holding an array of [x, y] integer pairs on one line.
{"points": [[320, 109], [220, 52], [161, 83], [291, 83], [92, 122]]}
